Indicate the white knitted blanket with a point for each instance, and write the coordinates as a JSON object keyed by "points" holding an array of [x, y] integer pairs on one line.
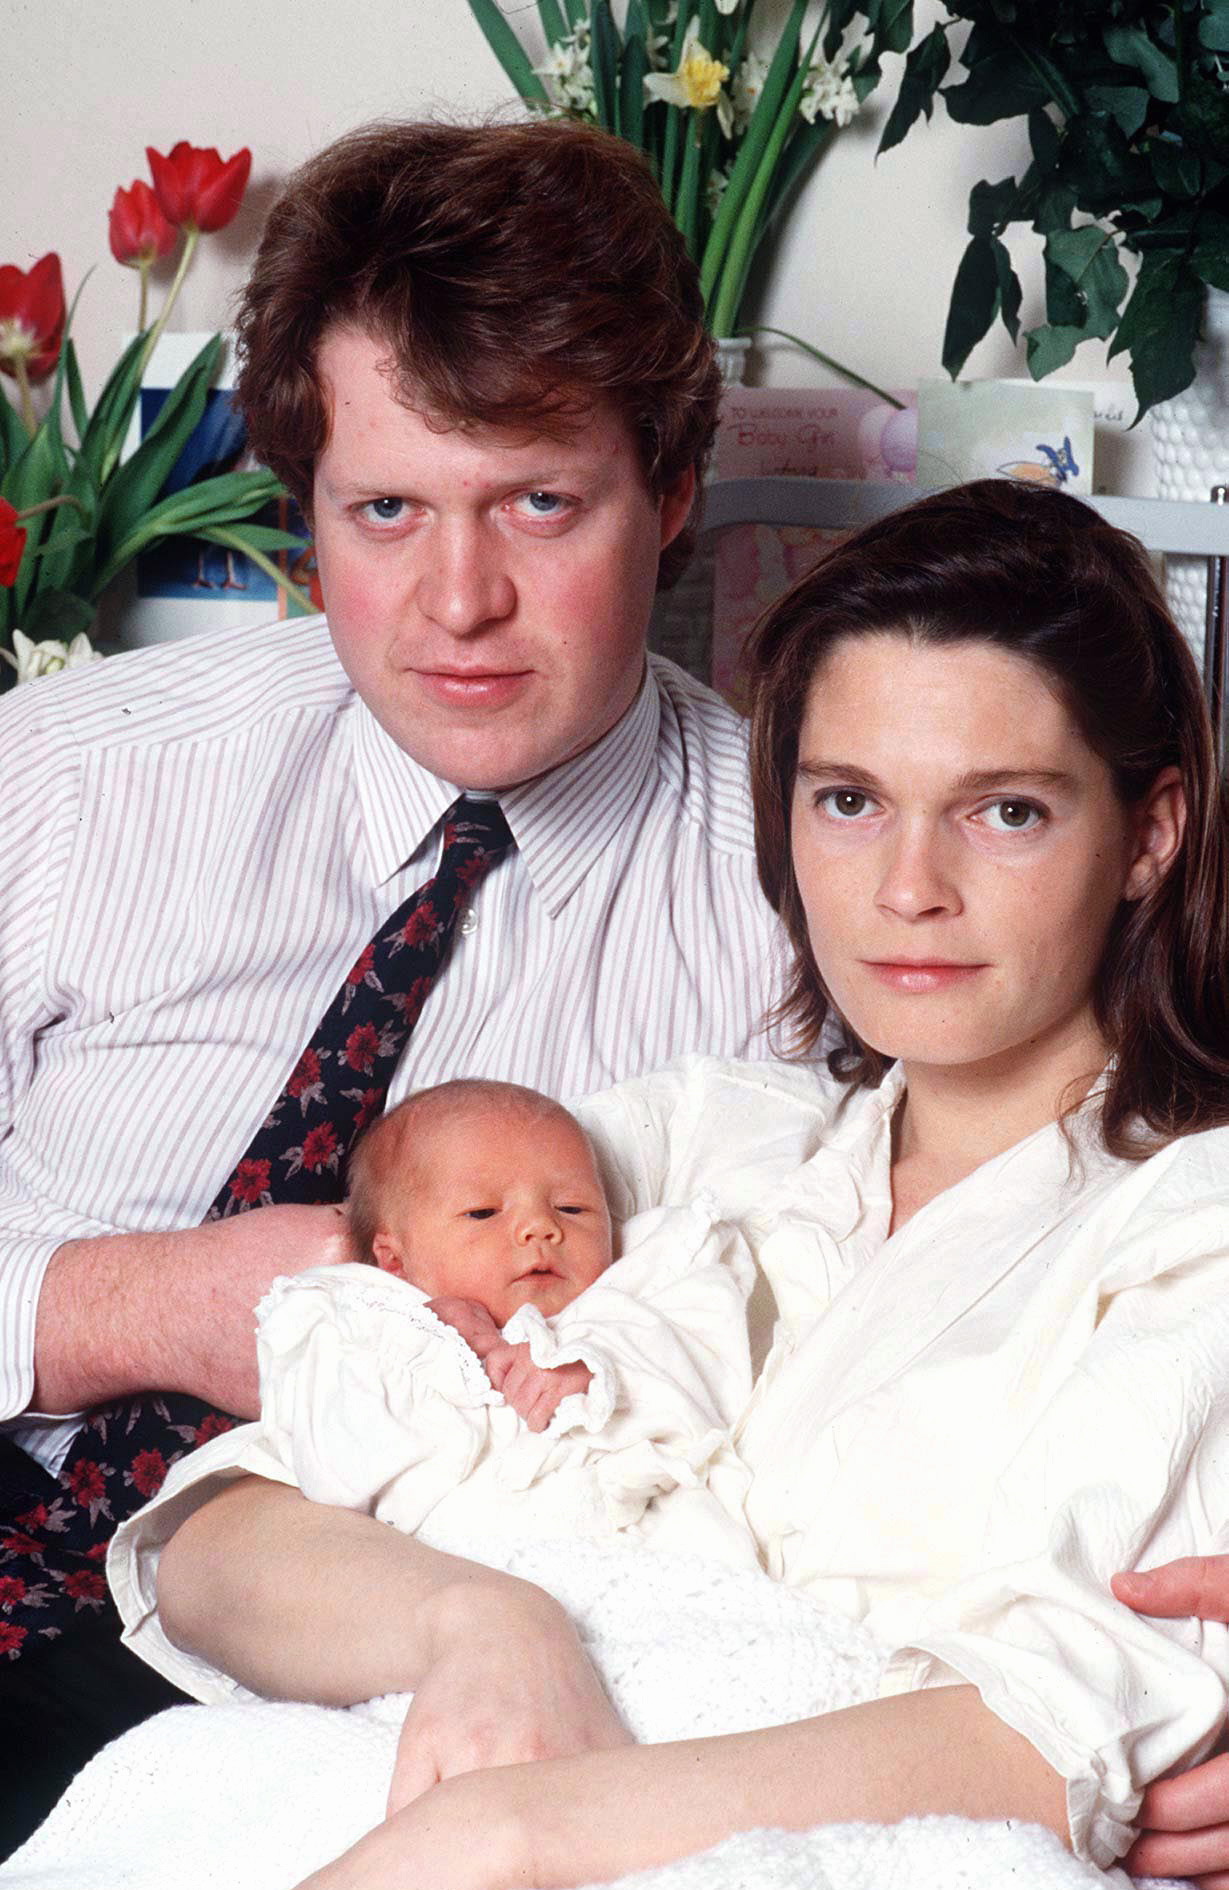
{"points": [[255, 1796]]}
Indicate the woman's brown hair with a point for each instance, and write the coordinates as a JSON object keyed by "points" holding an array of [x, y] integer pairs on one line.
{"points": [[1034, 572], [517, 272]]}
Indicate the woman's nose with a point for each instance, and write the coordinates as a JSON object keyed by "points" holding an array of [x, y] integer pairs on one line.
{"points": [[465, 585], [917, 881]]}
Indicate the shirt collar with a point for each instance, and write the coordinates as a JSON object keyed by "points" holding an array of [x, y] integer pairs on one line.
{"points": [[562, 822]]}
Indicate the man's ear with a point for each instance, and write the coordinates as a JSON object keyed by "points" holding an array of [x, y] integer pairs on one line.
{"points": [[387, 1255], [676, 502], [1160, 822]]}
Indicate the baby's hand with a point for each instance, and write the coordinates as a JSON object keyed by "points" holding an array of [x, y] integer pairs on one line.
{"points": [[535, 1392], [470, 1319]]}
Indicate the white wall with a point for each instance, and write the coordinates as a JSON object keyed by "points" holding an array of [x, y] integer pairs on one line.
{"points": [[864, 270]]}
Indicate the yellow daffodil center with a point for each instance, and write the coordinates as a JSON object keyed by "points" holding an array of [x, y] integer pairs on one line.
{"points": [[701, 78]]}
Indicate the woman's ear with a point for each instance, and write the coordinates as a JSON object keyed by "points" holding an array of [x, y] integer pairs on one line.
{"points": [[1160, 822]]}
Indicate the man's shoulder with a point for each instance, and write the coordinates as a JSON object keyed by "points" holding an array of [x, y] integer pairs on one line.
{"points": [[200, 688], [702, 757]]}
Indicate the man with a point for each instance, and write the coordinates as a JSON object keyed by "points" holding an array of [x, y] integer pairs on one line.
{"points": [[477, 357]]}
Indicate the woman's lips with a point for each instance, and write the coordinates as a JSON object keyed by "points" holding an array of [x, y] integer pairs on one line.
{"points": [[915, 976], [473, 688]]}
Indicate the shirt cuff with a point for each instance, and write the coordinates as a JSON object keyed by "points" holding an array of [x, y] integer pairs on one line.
{"points": [[24, 1259]]}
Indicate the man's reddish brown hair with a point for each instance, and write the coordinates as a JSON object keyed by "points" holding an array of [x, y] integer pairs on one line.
{"points": [[517, 273]]}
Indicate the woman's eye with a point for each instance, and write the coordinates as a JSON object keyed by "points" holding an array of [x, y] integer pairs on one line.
{"points": [[387, 511], [479, 1214], [1012, 816], [845, 803]]}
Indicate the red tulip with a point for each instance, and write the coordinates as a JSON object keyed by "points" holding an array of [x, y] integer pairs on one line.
{"points": [[12, 543], [31, 317], [139, 231], [199, 189]]}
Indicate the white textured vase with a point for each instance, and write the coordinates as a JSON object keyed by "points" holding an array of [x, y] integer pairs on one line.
{"points": [[732, 352], [1190, 445]]}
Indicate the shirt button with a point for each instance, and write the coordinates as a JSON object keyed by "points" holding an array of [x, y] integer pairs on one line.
{"points": [[467, 921]]}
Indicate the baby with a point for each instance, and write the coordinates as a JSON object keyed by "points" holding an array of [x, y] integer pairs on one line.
{"points": [[496, 1369], [486, 1197]]}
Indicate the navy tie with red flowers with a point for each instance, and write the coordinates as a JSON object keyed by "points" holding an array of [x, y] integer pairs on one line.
{"points": [[52, 1544]]}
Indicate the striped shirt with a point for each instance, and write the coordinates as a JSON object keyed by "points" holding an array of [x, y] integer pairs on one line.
{"points": [[199, 840]]}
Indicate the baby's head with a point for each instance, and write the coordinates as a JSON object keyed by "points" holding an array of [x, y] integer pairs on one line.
{"points": [[484, 1190]]}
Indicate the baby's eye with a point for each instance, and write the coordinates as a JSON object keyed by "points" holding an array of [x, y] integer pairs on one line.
{"points": [[568, 1208], [846, 803], [480, 1214], [1012, 816], [387, 510]]}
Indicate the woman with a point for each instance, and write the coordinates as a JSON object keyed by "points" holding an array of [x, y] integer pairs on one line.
{"points": [[998, 1239]]}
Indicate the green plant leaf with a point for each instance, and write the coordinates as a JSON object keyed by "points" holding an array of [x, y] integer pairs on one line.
{"points": [[1002, 86], [974, 303], [75, 535], [632, 71], [1159, 328], [104, 437], [76, 392], [58, 614], [1127, 105], [242, 538], [893, 26], [1131, 46], [1214, 28], [992, 207], [553, 23], [1043, 139], [13, 437], [1177, 169], [1204, 113], [1009, 290], [134, 487], [1064, 309], [226, 499], [605, 52], [1052, 207], [1089, 258], [508, 50], [1050, 347], [925, 70], [1211, 261], [33, 476]]}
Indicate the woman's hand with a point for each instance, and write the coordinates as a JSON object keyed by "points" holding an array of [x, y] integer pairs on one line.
{"points": [[508, 1682], [1184, 1822]]}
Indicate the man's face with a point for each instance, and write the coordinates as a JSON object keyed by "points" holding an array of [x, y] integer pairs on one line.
{"points": [[487, 592]]}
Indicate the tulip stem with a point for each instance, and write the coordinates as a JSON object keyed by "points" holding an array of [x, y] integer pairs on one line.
{"points": [[49, 505], [23, 394], [143, 310], [192, 238]]}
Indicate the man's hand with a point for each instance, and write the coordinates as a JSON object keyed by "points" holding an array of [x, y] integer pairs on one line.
{"points": [[124, 1313], [1184, 1822], [535, 1392]]}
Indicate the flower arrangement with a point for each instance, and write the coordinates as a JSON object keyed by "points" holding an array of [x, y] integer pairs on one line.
{"points": [[73, 514], [730, 134], [1128, 118]]}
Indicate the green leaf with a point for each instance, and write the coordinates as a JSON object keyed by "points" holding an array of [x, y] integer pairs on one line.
{"points": [[508, 50], [1043, 139], [1177, 169], [1050, 347], [605, 51], [75, 535], [674, 116], [1159, 328], [893, 26], [1099, 162], [974, 303], [13, 437], [1089, 258], [265, 537], [925, 70], [1204, 113], [32, 477], [1127, 105], [1009, 290], [76, 392], [104, 437], [1052, 207], [1214, 30], [635, 65], [1131, 46], [992, 207], [59, 614], [1001, 86], [136, 484], [1064, 308], [553, 23], [1211, 261]]}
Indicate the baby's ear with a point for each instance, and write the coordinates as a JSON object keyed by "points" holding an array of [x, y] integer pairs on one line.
{"points": [[385, 1254]]}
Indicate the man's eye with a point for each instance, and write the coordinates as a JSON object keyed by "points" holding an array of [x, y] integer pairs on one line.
{"points": [[387, 511], [543, 504], [1012, 816], [845, 803], [480, 1214]]}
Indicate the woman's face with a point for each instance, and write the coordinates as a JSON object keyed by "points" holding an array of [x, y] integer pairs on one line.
{"points": [[959, 849]]}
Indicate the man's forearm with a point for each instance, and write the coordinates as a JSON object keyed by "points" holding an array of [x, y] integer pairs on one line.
{"points": [[299, 1600]]}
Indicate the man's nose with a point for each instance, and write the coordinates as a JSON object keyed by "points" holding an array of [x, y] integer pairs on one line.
{"points": [[465, 584], [917, 880]]}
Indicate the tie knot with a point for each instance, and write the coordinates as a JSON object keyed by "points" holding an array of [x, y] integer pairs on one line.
{"points": [[478, 823]]}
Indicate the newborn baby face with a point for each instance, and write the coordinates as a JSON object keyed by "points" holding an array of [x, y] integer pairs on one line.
{"points": [[502, 1206]]}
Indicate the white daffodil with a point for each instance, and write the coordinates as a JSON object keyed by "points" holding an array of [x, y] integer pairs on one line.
{"points": [[568, 73], [697, 84], [714, 190], [828, 92], [746, 89], [726, 6], [33, 659]]}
